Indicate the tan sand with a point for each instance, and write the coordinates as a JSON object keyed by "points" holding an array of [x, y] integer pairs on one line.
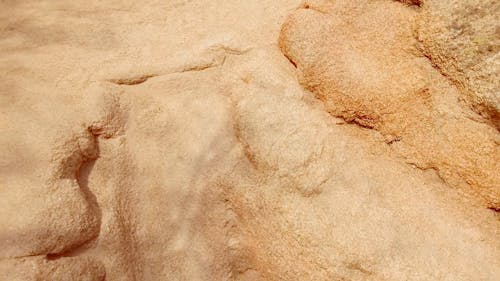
{"points": [[249, 140]]}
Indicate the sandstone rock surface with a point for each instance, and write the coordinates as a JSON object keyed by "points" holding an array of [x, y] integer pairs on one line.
{"points": [[249, 140], [462, 40]]}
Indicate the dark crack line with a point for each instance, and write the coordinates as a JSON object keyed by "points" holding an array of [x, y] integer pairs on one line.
{"points": [[132, 80], [218, 60]]}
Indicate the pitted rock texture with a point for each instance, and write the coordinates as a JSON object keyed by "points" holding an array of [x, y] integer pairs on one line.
{"points": [[241, 140], [462, 38], [362, 62]]}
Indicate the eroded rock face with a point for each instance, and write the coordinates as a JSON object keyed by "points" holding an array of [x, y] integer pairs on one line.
{"points": [[362, 62], [462, 39], [175, 141]]}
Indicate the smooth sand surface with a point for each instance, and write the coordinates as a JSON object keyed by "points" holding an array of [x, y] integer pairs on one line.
{"points": [[249, 140]]}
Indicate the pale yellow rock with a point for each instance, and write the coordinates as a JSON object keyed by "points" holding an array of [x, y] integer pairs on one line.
{"points": [[39, 268], [173, 140]]}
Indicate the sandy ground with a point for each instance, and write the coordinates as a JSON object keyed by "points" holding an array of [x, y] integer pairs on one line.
{"points": [[249, 140]]}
